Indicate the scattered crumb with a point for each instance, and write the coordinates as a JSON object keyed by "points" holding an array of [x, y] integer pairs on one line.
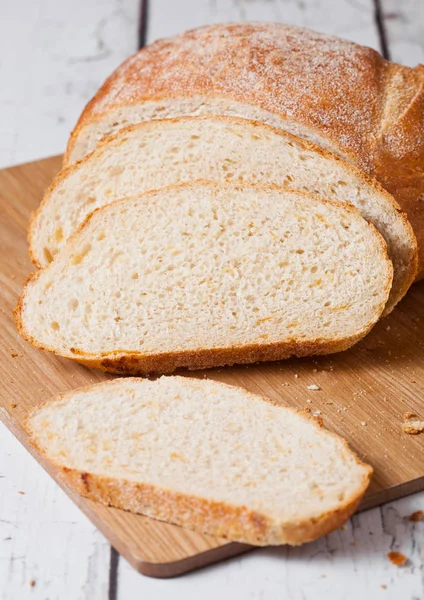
{"points": [[309, 401], [16, 355], [413, 427], [296, 375], [319, 420], [306, 409], [13, 405], [21, 493], [388, 328], [32, 582], [315, 370], [413, 381], [313, 386], [383, 586], [344, 528], [397, 558], [418, 515], [316, 413], [283, 384], [364, 423], [409, 415]]}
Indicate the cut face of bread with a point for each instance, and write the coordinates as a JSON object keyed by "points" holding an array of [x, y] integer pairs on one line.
{"points": [[342, 96], [152, 155], [204, 455], [203, 274]]}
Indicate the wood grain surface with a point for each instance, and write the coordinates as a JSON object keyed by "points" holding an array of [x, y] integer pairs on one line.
{"points": [[363, 394]]}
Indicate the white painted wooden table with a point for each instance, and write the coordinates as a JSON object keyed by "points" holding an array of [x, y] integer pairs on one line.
{"points": [[53, 56]]}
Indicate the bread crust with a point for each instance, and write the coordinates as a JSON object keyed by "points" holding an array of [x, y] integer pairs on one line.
{"points": [[236, 523], [368, 110], [136, 363], [410, 269]]}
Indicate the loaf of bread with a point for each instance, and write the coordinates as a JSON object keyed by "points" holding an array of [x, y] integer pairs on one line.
{"points": [[343, 97], [204, 455], [203, 274], [154, 154]]}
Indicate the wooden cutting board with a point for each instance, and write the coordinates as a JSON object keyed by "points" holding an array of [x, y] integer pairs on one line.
{"points": [[363, 394]]}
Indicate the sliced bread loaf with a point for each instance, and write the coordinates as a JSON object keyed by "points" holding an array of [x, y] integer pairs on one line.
{"points": [[204, 455], [201, 275], [159, 153], [342, 96]]}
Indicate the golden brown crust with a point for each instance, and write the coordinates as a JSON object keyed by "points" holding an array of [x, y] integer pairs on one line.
{"points": [[237, 523], [215, 518], [369, 110], [137, 363]]}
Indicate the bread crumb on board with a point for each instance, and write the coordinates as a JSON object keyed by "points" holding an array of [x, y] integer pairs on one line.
{"points": [[409, 415], [397, 558], [314, 387], [413, 427], [418, 515]]}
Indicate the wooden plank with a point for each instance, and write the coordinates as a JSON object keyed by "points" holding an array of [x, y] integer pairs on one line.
{"points": [[404, 26], [45, 539], [364, 393], [62, 52], [351, 20]]}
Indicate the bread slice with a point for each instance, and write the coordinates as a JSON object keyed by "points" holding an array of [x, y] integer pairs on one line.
{"points": [[160, 153], [342, 96], [201, 275], [204, 455]]}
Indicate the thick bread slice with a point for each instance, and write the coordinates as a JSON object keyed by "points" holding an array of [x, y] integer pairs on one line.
{"points": [[204, 455], [201, 275], [159, 153], [342, 96]]}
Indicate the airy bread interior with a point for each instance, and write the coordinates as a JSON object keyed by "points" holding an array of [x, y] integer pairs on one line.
{"points": [[204, 266], [156, 154], [116, 119], [202, 454]]}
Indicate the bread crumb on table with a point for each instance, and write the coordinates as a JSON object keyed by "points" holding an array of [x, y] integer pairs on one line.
{"points": [[383, 586], [418, 515], [13, 405], [397, 558], [314, 387], [32, 582], [413, 427]]}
